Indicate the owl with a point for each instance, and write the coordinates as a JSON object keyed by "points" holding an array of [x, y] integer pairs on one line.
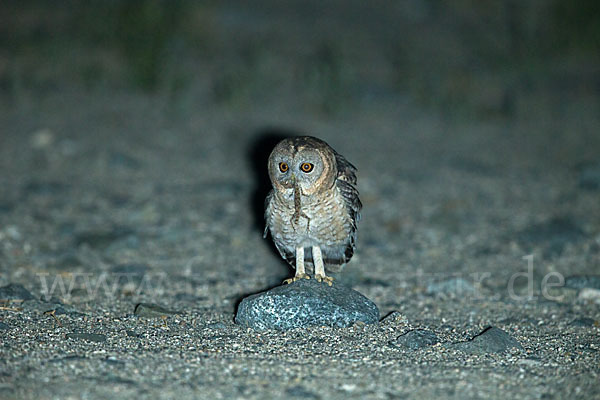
{"points": [[313, 210]]}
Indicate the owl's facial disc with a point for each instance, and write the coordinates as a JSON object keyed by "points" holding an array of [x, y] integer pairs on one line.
{"points": [[302, 165]]}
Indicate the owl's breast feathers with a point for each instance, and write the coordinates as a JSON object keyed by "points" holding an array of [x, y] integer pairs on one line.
{"points": [[330, 223]]}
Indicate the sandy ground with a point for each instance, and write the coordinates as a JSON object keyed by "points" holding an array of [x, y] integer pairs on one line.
{"points": [[111, 197]]}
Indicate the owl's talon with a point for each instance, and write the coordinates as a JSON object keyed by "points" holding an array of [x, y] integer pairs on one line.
{"points": [[324, 278], [296, 278]]}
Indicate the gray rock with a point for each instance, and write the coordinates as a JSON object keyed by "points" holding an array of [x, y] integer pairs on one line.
{"points": [[306, 303], [491, 340], [583, 281], [15, 291], [90, 337], [416, 339], [4, 326]]}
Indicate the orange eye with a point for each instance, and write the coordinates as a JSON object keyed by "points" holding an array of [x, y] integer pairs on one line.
{"points": [[283, 167], [306, 167]]}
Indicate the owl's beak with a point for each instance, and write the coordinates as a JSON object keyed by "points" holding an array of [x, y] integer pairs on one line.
{"points": [[293, 179]]}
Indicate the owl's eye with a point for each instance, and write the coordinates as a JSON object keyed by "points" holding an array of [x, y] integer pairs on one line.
{"points": [[306, 167], [283, 167]]}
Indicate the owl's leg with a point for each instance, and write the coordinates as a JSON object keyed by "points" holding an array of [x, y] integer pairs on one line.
{"points": [[320, 267], [300, 272]]}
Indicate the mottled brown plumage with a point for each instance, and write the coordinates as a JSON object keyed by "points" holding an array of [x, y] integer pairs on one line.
{"points": [[313, 210]]}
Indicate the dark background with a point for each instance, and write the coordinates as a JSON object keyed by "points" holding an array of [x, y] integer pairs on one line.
{"points": [[479, 59]]}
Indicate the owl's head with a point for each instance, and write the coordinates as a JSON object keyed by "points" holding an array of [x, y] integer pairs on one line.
{"points": [[304, 161]]}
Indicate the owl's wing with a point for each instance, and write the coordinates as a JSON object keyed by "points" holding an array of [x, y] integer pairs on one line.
{"points": [[267, 202], [351, 201], [346, 171], [353, 205]]}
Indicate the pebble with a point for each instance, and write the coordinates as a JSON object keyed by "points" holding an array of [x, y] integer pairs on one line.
{"points": [[416, 339], [583, 281], [588, 295], [490, 340], [306, 303], [216, 326], [90, 337], [149, 310], [583, 322], [15, 291], [301, 392], [453, 286], [4, 326]]}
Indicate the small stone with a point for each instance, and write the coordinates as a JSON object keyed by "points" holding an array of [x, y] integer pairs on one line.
{"points": [[90, 337], [491, 340], [453, 286], [416, 339], [583, 322], [133, 334], [149, 310], [216, 325], [4, 326], [306, 303], [588, 295], [15, 291], [583, 281], [301, 392]]}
